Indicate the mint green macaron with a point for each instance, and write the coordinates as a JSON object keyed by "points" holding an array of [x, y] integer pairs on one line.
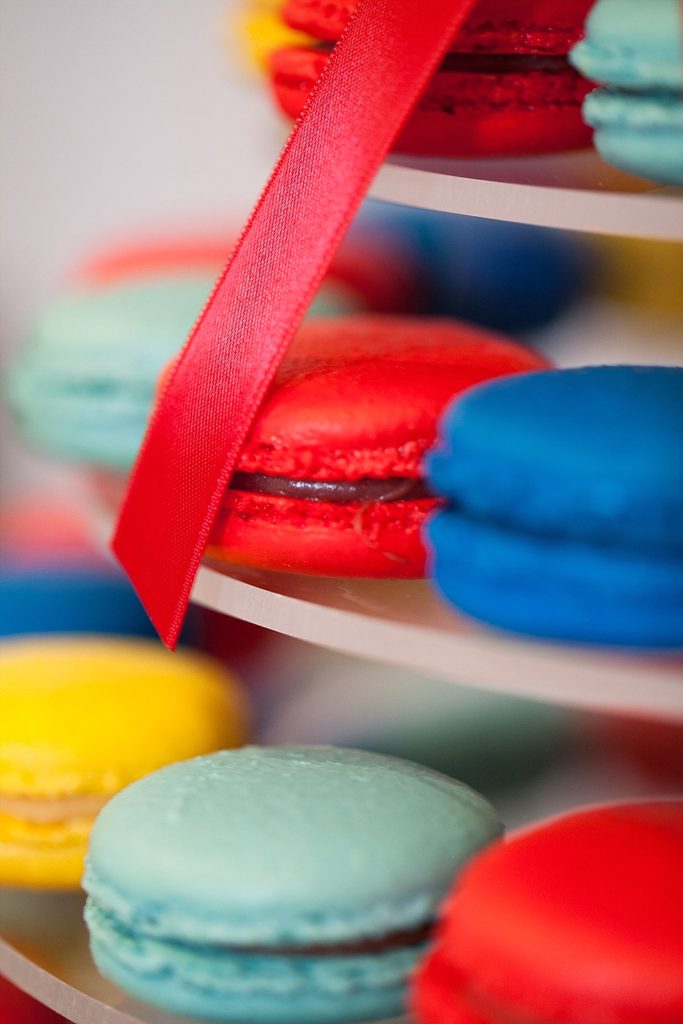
{"points": [[280, 884], [634, 48]]}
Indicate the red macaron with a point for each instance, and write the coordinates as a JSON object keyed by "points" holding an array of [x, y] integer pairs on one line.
{"points": [[577, 921], [505, 88], [330, 479], [370, 270], [18, 1008]]}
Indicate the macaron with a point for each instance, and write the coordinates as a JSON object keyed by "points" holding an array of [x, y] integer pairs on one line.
{"points": [[329, 481], [515, 278], [18, 1008], [79, 719], [576, 921], [565, 505], [82, 387], [69, 598], [281, 884], [257, 29], [505, 88], [635, 50]]}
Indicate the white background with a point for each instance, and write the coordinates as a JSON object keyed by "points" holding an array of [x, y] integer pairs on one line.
{"points": [[116, 118]]}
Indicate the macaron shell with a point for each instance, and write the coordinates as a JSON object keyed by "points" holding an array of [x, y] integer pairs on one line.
{"points": [[46, 856], [68, 597], [289, 845], [641, 134], [83, 385], [66, 703], [220, 984], [557, 588], [156, 258], [465, 113], [591, 454], [633, 46], [576, 921], [321, 538], [538, 26], [360, 396]]}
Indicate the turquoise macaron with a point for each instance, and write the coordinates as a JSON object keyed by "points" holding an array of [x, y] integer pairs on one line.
{"points": [[634, 48], [277, 885], [82, 387], [84, 384]]}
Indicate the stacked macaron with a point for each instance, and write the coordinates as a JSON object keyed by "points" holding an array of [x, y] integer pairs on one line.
{"points": [[83, 386], [506, 87], [286, 885], [635, 50], [79, 719], [576, 921], [330, 478], [565, 505], [260, 30]]}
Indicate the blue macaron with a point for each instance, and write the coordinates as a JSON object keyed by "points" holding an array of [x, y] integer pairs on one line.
{"points": [[282, 884], [509, 277], [565, 505], [69, 598], [635, 50]]}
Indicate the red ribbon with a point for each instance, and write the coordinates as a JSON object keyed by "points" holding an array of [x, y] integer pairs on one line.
{"points": [[383, 61]]}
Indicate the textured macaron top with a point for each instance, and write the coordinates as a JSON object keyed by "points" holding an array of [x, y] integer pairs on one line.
{"points": [[633, 44], [86, 716], [283, 845], [591, 453], [495, 26], [359, 397], [576, 921]]}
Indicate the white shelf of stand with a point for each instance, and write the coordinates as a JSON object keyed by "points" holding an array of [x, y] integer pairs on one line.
{"points": [[573, 191], [402, 622]]}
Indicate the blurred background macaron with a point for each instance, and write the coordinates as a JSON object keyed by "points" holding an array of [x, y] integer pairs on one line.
{"points": [[82, 717], [83, 385], [509, 277], [297, 884], [497, 744], [19, 1008], [635, 52]]}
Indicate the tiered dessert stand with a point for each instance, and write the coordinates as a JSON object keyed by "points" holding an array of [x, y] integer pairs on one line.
{"points": [[43, 944]]}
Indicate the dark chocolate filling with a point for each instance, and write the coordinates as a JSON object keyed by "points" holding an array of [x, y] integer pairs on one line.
{"points": [[396, 488], [493, 63], [502, 63], [404, 939]]}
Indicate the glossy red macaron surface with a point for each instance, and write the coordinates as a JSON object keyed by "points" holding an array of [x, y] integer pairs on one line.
{"points": [[495, 26], [574, 922], [357, 399]]}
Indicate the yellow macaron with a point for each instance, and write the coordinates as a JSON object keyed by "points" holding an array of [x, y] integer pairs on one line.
{"points": [[80, 718], [256, 29]]}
